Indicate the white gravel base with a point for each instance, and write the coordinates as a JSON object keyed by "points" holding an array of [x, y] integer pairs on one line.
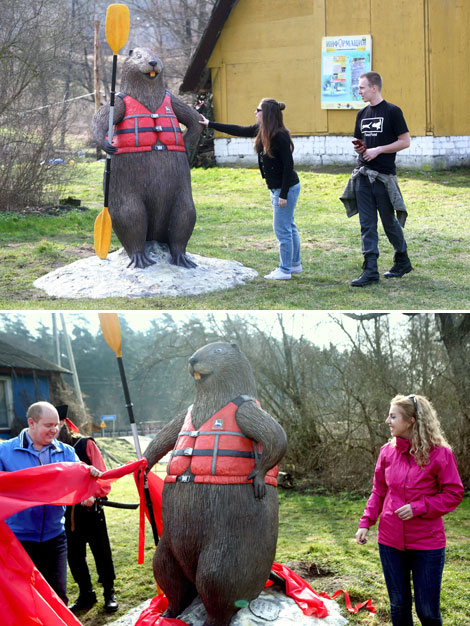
{"points": [[93, 277], [271, 607]]}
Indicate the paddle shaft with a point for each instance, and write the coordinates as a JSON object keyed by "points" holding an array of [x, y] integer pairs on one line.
{"points": [[129, 406], [110, 130]]}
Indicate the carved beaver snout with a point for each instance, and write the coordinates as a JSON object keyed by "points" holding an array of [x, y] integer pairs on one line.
{"points": [[192, 360]]}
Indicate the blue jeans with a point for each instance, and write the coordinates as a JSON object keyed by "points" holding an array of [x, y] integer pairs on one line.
{"points": [[50, 557], [425, 566], [285, 229], [372, 198]]}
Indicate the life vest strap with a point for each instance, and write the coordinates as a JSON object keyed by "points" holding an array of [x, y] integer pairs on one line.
{"points": [[154, 148], [239, 400], [197, 433], [147, 129], [210, 452]]}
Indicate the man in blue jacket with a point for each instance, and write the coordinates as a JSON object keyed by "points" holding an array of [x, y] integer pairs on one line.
{"points": [[40, 529]]}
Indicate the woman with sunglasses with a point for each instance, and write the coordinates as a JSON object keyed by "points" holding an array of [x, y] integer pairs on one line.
{"points": [[274, 147], [416, 483]]}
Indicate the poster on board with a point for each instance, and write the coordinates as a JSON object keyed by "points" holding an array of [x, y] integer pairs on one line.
{"points": [[343, 60]]}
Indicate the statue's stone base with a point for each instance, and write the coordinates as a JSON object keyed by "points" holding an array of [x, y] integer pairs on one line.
{"points": [[93, 277], [270, 608]]}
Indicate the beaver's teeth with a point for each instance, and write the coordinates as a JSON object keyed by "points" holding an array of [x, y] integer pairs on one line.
{"points": [[197, 376], [152, 74]]}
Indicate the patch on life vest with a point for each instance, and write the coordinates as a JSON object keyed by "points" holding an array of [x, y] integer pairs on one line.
{"points": [[219, 424], [168, 110]]}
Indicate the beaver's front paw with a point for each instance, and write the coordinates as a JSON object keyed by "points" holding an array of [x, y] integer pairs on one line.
{"points": [[108, 147]]}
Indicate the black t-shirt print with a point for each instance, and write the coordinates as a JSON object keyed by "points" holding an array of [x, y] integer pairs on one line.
{"points": [[380, 125]]}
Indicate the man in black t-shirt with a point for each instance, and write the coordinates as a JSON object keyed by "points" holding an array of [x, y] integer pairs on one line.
{"points": [[382, 131]]}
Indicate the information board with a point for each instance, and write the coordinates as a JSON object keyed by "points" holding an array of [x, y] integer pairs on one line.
{"points": [[344, 59]]}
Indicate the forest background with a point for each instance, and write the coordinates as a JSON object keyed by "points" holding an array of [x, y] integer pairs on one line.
{"points": [[329, 390]]}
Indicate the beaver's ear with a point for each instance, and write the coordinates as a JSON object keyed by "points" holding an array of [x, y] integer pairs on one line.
{"points": [[131, 52], [235, 345]]}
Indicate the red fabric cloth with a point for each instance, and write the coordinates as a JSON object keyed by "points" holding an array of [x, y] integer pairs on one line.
{"points": [[55, 483], [97, 461], [151, 616], [155, 485], [300, 591], [432, 491], [25, 596]]}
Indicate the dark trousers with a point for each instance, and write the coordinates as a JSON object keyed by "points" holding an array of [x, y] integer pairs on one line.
{"points": [[373, 199], [425, 566], [88, 526], [50, 557]]}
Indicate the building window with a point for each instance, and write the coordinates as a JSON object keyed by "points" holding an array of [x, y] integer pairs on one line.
{"points": [[6, 403]]}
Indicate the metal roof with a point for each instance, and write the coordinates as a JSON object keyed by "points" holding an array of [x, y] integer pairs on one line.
{"points": [[196, 74], [15, 358]]}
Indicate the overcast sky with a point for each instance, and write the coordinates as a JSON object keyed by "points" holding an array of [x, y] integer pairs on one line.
{"points": [[317, 326]]}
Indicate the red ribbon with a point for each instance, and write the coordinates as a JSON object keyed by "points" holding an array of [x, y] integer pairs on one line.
{"points": [[347, 601]]}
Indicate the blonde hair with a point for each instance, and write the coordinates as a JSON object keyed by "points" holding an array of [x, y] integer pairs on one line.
{"points": [[426, 432]]}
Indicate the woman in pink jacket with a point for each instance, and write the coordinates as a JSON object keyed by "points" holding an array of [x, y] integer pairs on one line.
{"points": [[416, 483]]}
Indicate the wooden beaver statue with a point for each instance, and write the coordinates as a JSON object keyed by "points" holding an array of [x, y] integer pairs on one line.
{"points": [[219, 504], [150, 195]]}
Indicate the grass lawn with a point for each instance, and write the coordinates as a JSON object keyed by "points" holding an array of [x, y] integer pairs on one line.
{"points": [[234, 222], [316, 539]]}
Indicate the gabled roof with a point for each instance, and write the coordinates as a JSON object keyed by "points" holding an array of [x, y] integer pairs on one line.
{"points": [[196, 74], [15, 358]]}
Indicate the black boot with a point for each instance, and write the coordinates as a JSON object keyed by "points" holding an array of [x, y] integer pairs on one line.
{"points": [[401, 266], [84, 601], [370, 273], [110, 602]]}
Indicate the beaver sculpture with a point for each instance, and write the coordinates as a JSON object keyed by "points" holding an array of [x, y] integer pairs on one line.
{"points": [[150, 195], [220, 509]]}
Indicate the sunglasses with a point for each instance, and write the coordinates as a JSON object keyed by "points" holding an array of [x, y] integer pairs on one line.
{"points": [[258, 110], [415, 403]]}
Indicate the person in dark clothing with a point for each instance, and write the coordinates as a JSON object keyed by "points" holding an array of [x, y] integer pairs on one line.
{"points": [[274, 147], [382, 132], [87, 525]]}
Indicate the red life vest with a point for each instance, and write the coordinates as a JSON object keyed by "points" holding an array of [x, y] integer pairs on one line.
{"points": [[218, 453], [143, 131]]}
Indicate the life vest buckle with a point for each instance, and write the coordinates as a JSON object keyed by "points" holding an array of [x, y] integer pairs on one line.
{"points": [[188, 451], [154, 115], [193, 433], [185, 478], [159, 128]]}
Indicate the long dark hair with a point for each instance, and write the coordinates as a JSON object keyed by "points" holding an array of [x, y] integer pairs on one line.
{"points": [[271, 124]]}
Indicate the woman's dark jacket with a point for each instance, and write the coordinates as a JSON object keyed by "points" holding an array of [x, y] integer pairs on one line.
{"points": [[278, 170]]}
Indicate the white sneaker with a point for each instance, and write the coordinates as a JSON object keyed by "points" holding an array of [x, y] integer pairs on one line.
{"points": [[297, 269], [278, 274]]}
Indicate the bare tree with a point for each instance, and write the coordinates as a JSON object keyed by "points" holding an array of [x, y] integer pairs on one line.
{"points": [[174, 28]]}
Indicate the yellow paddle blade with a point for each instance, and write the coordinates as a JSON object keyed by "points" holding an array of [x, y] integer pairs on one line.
{"points": [[117, 26], [102, 233], [111, 329]]}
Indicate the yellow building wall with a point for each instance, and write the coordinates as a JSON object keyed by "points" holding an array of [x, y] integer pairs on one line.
{"points": [[272, 48], [449, 35]]}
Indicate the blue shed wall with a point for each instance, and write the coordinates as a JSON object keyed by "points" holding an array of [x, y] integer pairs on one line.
{"points": [[26, 390]]}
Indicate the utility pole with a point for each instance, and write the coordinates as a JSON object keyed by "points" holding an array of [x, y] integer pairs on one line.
{"points": [[68, 347], [55, 334]]}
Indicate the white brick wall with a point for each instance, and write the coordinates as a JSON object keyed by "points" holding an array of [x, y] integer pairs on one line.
{"points": [[318, 150]]}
